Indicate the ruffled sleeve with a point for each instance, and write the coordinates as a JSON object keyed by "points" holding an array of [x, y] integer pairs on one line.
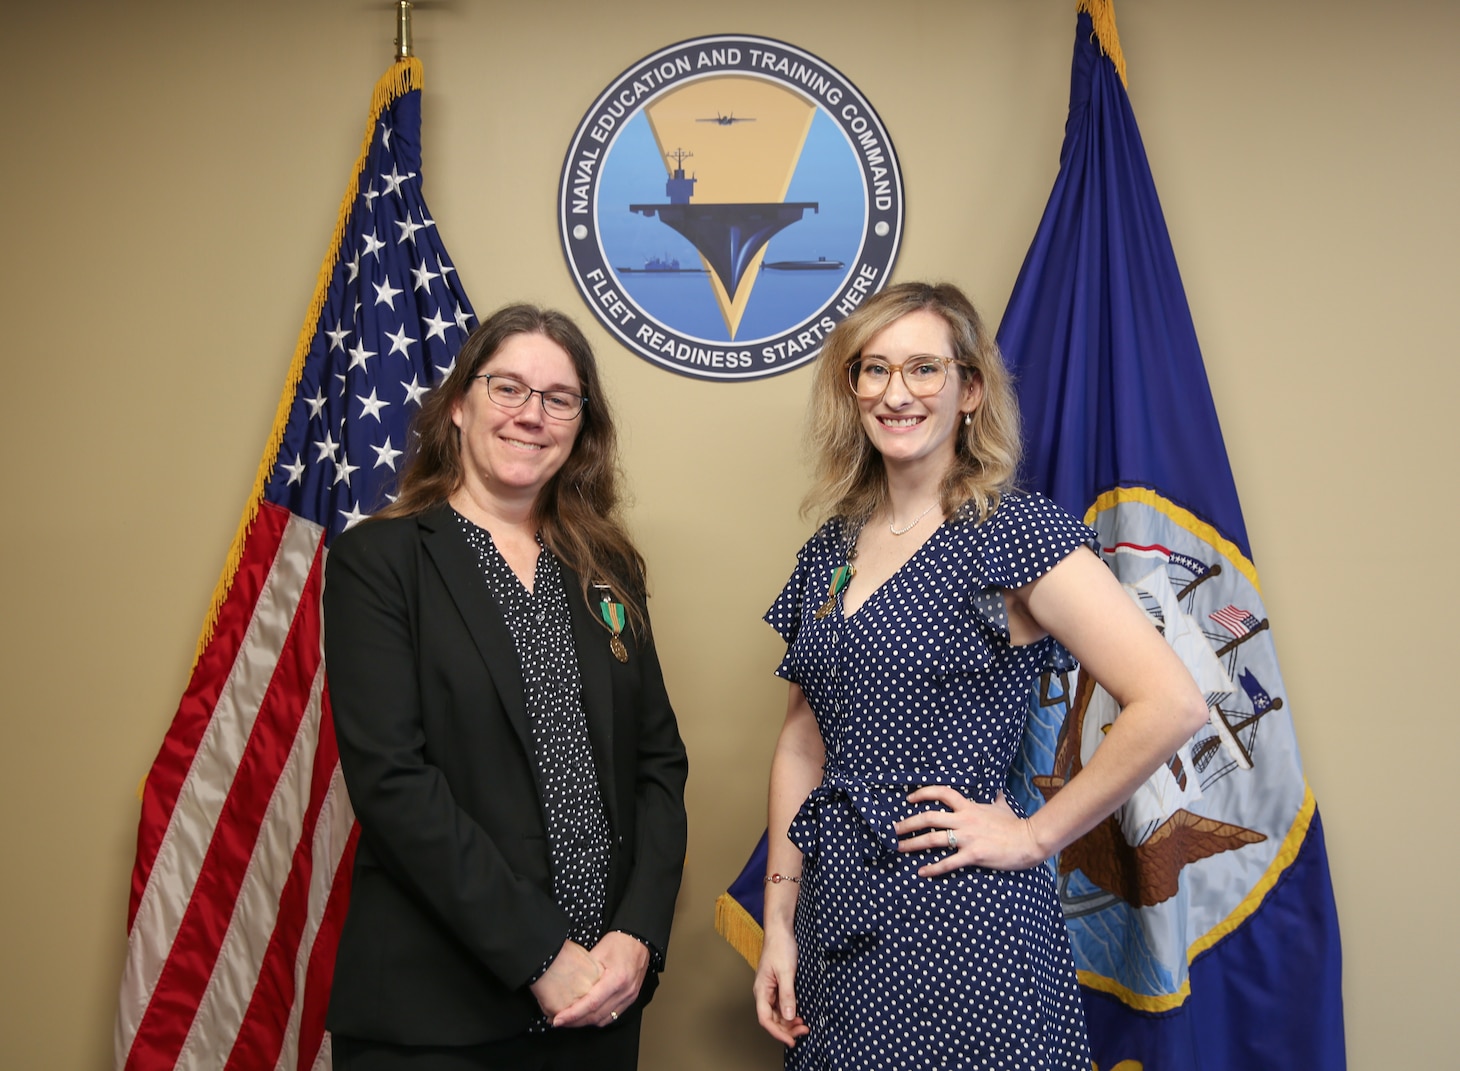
{"points": [[785, 613], [1026, 537], [790, 608]]}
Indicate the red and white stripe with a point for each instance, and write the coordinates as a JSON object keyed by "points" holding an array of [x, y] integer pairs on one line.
{"points": [[1140, 550], [1234, 619], [246, 838]]}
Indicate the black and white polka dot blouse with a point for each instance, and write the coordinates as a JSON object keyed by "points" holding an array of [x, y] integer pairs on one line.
{"points": [[577, 824]]}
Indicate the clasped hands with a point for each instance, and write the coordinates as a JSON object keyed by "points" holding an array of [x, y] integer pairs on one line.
{"points": [[983, 834], [593, 987]]}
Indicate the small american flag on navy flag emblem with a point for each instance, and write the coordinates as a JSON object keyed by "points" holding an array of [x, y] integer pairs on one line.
{"points": [[1235, 620]]}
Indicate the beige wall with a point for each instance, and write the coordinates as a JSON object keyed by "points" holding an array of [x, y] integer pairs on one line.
{"points": [[170, 180]]}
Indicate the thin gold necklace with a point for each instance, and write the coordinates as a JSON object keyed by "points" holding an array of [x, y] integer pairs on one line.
{"points": [[911, 524]]}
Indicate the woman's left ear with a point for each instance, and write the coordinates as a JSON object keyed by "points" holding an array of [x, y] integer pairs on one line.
{"points": [[972, 395]]}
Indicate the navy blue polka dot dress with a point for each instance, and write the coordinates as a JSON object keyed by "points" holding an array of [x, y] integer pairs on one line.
{"points": [[921, 686]]}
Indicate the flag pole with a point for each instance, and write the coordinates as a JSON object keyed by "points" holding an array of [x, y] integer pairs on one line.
{"points": [[403, 30]]}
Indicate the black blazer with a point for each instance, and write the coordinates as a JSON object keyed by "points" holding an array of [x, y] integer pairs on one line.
{"points": [[451, 910]]}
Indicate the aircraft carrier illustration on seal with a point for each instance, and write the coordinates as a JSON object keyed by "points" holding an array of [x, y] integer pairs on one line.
{"points": [[728, 236]]}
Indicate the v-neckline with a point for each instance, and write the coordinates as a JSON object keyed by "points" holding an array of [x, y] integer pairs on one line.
{"points": [[522, 589], [849, 616]]}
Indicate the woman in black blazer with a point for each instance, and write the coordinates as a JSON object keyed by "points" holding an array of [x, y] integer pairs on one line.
{"points": [[504, 731]]}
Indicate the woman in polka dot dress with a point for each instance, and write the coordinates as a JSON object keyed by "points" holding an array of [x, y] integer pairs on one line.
{"points": [[910, 921]]}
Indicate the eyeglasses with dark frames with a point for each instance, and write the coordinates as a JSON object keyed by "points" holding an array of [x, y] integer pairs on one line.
{"points": [[512, 393], [923, 374]]}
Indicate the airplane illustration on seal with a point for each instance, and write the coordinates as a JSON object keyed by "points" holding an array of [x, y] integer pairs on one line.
{"points": [[727, 120]]}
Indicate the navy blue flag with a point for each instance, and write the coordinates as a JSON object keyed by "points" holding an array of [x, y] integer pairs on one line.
{"points": [[1202, 912], [246, 837]]}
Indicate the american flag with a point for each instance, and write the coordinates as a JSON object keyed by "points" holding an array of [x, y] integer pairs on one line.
{"points": [[246, 836], [1234, 619]]}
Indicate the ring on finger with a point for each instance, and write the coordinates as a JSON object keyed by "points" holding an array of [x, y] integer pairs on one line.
{"points": [[613, 1015], [952, 841]]}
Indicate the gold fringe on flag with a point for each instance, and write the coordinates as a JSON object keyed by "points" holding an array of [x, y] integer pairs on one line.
{"points": [[403, 77], [736, 925], [1102, 14]]}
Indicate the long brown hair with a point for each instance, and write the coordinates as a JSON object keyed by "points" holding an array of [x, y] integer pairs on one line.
{"points": [[850, 480], [579, 510]]}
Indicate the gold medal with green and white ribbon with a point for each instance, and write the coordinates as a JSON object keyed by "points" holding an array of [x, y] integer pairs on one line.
{"points": [[613, 617], [839, 580]]}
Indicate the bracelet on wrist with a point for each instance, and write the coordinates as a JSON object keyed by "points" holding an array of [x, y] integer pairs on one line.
{"points": [[776, 879]]}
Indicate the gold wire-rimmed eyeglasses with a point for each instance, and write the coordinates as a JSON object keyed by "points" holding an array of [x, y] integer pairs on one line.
{"points": [[923, 374]]}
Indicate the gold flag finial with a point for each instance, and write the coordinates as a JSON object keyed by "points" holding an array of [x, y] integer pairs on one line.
{"points": [[403, 30], [1102, 15]]}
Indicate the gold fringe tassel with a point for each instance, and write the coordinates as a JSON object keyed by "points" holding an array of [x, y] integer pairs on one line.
{"points": [[1102, 14], [406, 75], [736, 925]]}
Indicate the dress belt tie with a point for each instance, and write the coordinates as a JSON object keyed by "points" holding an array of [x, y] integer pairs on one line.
{"points": [[849, 848]]}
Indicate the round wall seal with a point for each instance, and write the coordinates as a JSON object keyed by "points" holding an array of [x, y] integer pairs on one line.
{"points": [[726, 202]]}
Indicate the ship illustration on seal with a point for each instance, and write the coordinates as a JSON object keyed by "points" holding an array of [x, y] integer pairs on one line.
{"points": [[727, 235], [661, 265]]}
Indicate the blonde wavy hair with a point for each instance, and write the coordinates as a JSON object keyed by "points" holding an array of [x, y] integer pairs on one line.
{"points": [[850, 481]]}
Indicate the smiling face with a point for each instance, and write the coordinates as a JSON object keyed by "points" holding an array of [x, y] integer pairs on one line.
{"points": [[511, 454], [907, 430]]}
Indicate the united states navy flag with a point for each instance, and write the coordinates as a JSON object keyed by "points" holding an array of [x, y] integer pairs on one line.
{"points": [[1202, 912], [246, 837]]}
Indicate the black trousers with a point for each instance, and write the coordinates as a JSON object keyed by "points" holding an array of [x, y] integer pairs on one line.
{"points": [[614, 1048]]}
